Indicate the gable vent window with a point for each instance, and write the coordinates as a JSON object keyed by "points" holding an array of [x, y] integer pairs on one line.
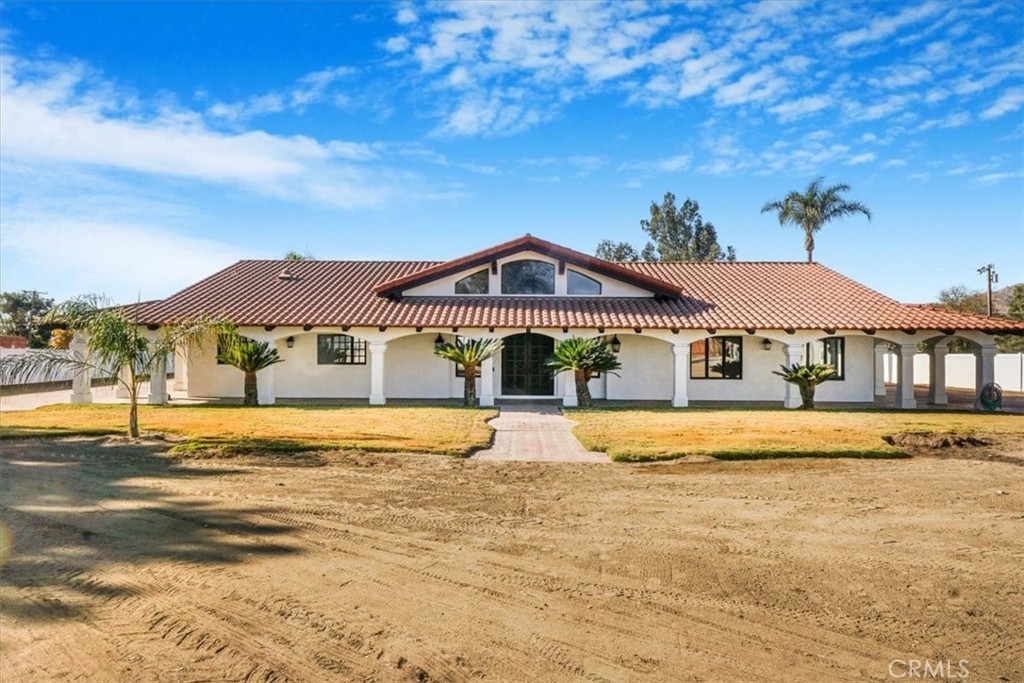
{"points": [[340, 349], [528, 277], [477, 283], [578, 283]]}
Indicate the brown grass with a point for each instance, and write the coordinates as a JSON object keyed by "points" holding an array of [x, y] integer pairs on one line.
{"points": [[748, 434], [453, 431]]}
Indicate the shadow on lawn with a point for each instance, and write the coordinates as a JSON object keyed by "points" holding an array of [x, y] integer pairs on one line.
{"points": [[71, 510]]}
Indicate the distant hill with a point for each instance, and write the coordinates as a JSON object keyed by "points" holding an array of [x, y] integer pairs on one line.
{"points": [[1001, 298]]}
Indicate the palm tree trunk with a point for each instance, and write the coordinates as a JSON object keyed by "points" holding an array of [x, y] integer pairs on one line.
{"points": [[809, 245], [807, 396], [133, 418], [582, 389], [251, 392], [469, 393]]}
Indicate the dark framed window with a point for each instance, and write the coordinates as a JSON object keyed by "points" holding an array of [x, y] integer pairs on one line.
{"points": [[477, 283], [578, 283], [830, 350], [528, 277], [460, 370], [340, 349], [717, 358]]}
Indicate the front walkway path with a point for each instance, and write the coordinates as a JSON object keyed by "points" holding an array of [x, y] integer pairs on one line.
{"points": [[536, 433]]}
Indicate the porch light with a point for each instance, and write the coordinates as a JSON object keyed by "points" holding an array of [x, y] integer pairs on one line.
{"points": [[616, 344], [438, 341], [290, 342], [767, 344]]}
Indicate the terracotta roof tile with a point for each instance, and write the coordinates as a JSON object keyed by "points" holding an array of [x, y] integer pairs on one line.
{"points": [[715, 295]]}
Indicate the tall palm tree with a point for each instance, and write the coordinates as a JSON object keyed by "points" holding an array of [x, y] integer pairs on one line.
{"points": [[813, 208], [806, 378], [469, 353], [585, 359], [250, 357], [114, 342]]}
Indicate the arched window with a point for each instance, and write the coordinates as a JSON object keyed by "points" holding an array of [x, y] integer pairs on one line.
{"points": [[528, 277], [578, 283]]}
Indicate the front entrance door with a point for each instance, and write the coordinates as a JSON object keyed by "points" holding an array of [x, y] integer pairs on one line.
{"points": [[523, 365]]}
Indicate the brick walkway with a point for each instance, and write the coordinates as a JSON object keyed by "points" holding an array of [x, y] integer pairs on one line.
{"points": [[536, 433]]}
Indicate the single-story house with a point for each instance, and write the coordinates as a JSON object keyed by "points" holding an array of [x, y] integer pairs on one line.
{"points": [[683, 331]]}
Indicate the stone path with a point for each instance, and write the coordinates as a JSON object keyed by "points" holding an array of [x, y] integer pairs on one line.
{"points": [[536, 433]]}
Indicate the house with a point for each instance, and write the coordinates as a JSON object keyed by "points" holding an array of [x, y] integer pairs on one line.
{"points": [[683, 331]]}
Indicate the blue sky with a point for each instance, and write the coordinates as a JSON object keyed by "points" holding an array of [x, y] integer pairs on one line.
{"points": [[145, 145]]}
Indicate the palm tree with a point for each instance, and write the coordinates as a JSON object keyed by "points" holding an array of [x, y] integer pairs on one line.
{"points": [[249, 356], [807, 378], [813, 208], [114, 341], [585, 359], [469, 353]]}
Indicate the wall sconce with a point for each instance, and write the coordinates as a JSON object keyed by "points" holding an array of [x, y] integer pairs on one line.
{"points": [[616, 344], [767, 344], [290, 342], [438, 341]]}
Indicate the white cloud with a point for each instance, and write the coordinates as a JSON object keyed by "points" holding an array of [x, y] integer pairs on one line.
{"points": [[954, 120], [997, 177], [309, 89], [894, 163], [1009, 101], [758, 86], [672, 164], [861, 159], [801, 107], [396, 44], [406, 15], [883, 27]]}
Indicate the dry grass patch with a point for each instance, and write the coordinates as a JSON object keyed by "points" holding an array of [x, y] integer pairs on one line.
{"points": [[635, 435], [452, 431]]}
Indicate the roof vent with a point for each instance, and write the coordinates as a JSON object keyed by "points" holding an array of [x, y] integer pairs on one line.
{"points": [[286, 275]]}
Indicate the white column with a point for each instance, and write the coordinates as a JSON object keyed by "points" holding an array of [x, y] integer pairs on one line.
{"points": [[487, 382], [158, 382], [985, 366], [794, 356], [680, 375], [569, 398], [377, 351], [124, 377], [180, 370], [880, 350], [265, 386], [937, 375], [81, 384], [905, 377]]}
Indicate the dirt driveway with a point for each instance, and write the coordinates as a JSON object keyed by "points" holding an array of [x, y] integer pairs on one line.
{"points": [[123, 565]]}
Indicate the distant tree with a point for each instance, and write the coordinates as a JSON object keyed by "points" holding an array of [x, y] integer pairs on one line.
{"points": [[585, 359], [963, 300], [296, 256], [61, 339], [616, 251], [1012, 343], [806, 378], [250, 357], [469, 353], [675, 234], [22, 315], [811, 209]]}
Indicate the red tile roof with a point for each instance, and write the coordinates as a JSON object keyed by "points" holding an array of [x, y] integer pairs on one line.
{"points": [[714, 295]]}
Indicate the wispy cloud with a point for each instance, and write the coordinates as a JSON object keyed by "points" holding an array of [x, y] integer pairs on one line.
{"points": [[861, 159], [309, 89], [1009, 101], [801, 107], [881, 28]]}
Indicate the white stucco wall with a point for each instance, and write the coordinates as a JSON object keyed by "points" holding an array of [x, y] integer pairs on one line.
{"points": [[961, 370], [859, 382], [609, 286], [299, 376], [646, 372], [411, 370]]}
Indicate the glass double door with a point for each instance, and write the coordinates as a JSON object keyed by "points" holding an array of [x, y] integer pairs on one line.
{"points": [[524, 370]]}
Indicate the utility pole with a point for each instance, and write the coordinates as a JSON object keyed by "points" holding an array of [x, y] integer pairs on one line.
{"points": [[991, 276]]}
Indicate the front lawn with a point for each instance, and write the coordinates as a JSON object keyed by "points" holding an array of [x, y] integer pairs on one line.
{"points": [[454, 431], [657, 434]]}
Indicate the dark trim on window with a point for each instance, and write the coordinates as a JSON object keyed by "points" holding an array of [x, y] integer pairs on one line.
{"points": [[719, 358], [833, 353], [474, 283], [581, 281], [340, 349], [527, 277]]}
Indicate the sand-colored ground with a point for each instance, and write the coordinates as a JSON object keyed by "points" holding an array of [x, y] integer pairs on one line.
{"points": [[124, 565]]}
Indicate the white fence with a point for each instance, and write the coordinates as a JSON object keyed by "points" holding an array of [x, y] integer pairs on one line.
{"points": [[960, 370], [66, 374]]}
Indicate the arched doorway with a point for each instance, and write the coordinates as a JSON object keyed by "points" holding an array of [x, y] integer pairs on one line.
{"points": [[523, 365]]}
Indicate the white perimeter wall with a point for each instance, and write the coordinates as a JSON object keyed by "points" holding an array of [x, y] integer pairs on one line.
{"points": [[960, 370]]}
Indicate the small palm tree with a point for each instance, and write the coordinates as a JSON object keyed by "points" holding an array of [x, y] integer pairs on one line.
{"points": [[585, 359], [250, 357], [807, 378], [469, 353], [813, 208], [114, 341]]}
